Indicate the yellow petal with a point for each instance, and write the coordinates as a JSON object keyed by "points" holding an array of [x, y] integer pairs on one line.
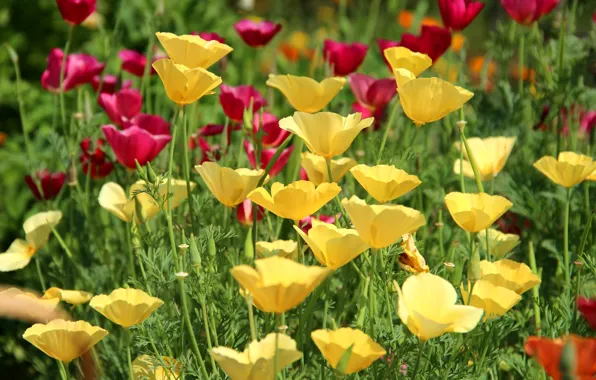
{"points": [[185, 85], [126, 307], [475, 212], [17, 256], [403, 76], [192, 51], [509, 274], [411, 260], [494, 300], [148, 367], [229, 186], [316, 168], [73, 297], [113, 198], [283, 248], [384, 182], [400, 57], [306, 94], [39, 227], [236, 364], [499, 243], [569, 170]]}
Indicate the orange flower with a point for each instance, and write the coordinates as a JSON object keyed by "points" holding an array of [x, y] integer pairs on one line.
{"points": [[457, 41], [406, 18], [475, 64], [3, 137], [548, 353], [527, 73]]}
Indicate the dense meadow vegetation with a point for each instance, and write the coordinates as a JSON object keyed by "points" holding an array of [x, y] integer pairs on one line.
{"points": [[260, 189]]}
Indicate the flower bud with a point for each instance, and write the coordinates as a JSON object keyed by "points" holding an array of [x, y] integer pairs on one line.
{"points": [[141, 171], [474, 266], [195, 255], [72, 173], [151, 176], [249, 251]]}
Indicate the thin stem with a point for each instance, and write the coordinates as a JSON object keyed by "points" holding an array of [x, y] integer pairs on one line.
{"points": [[275, 364], [251, 319], [418, 359], [387, 299], [522, 50], [535, 289], [342, 213], [42, 282], [208, 333], [462, 183], [62, 370], [131, 258], [387, 128], [371, 294], [577, 283], [566, 240], [186, 168], [128, 355], [472, 162], [488, 257], [562, 35]]}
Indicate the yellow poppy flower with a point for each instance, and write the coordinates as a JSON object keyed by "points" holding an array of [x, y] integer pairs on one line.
{"points": [[37, 228], [113, 198], [150, 368], [229, 186], [400, 57], [476, 211], [126, 307], [178, 191], [192, 51], [282, 248], [306, 94], [256, 361], [494, 300], [427, 307], [382, 225], [411, 260], [425, 100], [499, 243], [326, 134], [592, 177], [384, 182], [295, 201], [509, 274], [333, 247], [491, 154], [184, 85], [46, 306], [333, 344], [64, 340], [73, 297], [316, 168], [279, 284], [569, 170]]}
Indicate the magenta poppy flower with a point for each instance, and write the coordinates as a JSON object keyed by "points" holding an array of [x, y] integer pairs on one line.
{"points": [[110, 85], [306, 223], [588, 122], [377, 113], [50, 184], [212, 130], [256, 34], [234, 100], [527, 12], [458, 14], [244, 213], [134, 62], [210, 36], [303, 175], [587, 307], [370, 92], [94, 162], [432, 41], [344, 57], [122, 106], [75, 11], [266, 156], [386, 44], [153, 124], [273, 135], [134, 143], [208, 152], [80, 69]]}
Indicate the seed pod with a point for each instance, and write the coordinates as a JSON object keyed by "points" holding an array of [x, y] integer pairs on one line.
{"points": [[151, 174], [211, 249], [195, 255]]}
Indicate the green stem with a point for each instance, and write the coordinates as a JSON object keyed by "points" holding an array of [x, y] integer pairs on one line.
{"points": [[577, 284], [488, 257], [418, 359], [42, 282], [275, 363], [522, 50], [131, 259], [62, 370], [387, 299], [387, 129], [62, 72], [251, 319], [472, 161], [462, 183], [371, 294], [208, 333], [535, 289], [128, 355], [566, 240], [562, 35], [186, 168], [342, 213]]}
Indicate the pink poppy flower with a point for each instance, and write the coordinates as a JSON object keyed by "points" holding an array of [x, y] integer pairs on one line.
{"points": [[432, 41], [344, 57], [458, 14], [153, 124], [134, 62], [75, 11], [110, 85], [377, 113], [244, 213], [134, 143], [209, 152], [94, 162], [372, 93], [122, 106], [306, 223], [80, 69], [527, 12], [256, 34], [273, 134], [266, 156], [50, 184], [209, 36], [234, 100]]}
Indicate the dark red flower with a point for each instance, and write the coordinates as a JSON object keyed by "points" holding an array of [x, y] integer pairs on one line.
{"points": [[273, 134], [256, 34], [458, 14], [153, 124], [75, 11], [266, 156], [122, 106], [94, 162], [386, 44], [512, 223], [372, 93], [134, 62], [306, 223], [588, 309], [210, 36], [134, 143], [212, 130], [433, 41], [209, 152], [526, 12], [80, 69], [50, 184], [244, 213], [110, 85], [344, 57], [234, 100]]}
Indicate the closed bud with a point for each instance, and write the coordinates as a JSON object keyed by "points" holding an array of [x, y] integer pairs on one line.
{"points": [[141, 171], [195, 255], [247, 116], [136, 236], [183, 248], [151, 174], [474, 266], [72, 174], [211, 249], [249, 251]]}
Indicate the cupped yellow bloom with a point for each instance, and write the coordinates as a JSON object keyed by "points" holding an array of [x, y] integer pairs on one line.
{"points": [[509, 274], [333, 344], [427, 306], [384, 182], [185, 85], [326, 134], [411, 260], [490, 154], [295, 201], [306, 94], [499, 243], [126, 307], [64, 340], [37, 228], [494, 300], [229, 186], [279, 284], [178, 191], [333, 247], [592, 177], [400, 57], [150, 368], [382, 225], [316, 168], [256, 362], [46, 305], [569, 170], [282, 248], [73, 297], [476, 211], [112, 197], [425, 100], [192, 51]]}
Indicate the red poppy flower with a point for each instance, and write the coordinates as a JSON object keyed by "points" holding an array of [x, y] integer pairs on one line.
{"points": [[134, 143], [273, 134], [234, 100], [458, 14], [548, 353], [256, 34], [344, 57], [75, 11], [134, 62], [94, 162], [79, 69], [266, 156], [588, 309], [50, 184], [526, 12], [244, 213], [110, 85], [306, 223]]}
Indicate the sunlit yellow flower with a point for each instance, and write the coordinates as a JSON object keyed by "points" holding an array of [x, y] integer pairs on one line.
{"points": [[411, 260], [229, 186], [283, 248], [256, 361], [46, 305], [113, 198], [150, 368], [37, 228], [382, 225], [184, 85], [316, 168], [384, 182], [490, 154], [333, 247], [592, 177], [569, 170], [64, 340], [178, 191], [427, 306], [306, 94], [279, 284], [400, 57], [476, 211], [326, 134], [499, 243], [126, 307], [509, 274], [494, 300], [333, 344], [425, 100], [192, 51], [295, 201], [73, 297]]}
